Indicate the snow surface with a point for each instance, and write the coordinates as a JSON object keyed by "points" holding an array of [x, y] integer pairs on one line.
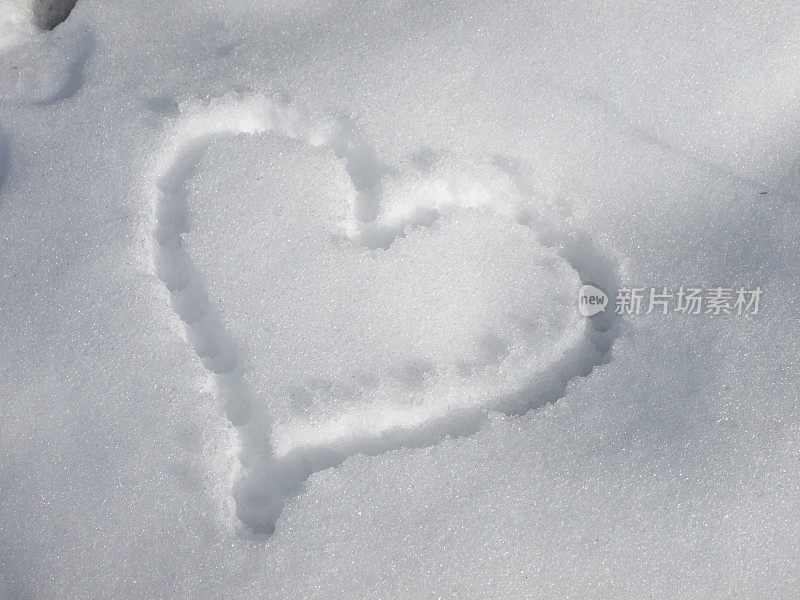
{"points": [[288, 300]]}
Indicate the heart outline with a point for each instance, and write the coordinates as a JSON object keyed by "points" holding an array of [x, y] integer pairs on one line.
{"points": [[266, 480]]}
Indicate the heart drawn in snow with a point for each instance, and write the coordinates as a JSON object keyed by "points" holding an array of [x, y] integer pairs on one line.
{"points": [[346, 308]]}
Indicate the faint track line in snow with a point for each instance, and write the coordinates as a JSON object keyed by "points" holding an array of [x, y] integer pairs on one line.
{"points": [[5, 158], [615, 116], [268, 480]]}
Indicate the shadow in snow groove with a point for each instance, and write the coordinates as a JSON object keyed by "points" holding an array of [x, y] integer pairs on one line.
{"points": [[49, 14]]}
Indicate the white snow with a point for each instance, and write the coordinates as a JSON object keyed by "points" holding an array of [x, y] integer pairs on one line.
{"points": [[288, 300]]}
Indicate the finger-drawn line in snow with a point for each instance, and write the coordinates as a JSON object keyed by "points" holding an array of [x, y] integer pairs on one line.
{"points": [[268, 480]]}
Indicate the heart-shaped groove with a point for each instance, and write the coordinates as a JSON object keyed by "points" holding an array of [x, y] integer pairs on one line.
{"points": [[267, 479]]}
